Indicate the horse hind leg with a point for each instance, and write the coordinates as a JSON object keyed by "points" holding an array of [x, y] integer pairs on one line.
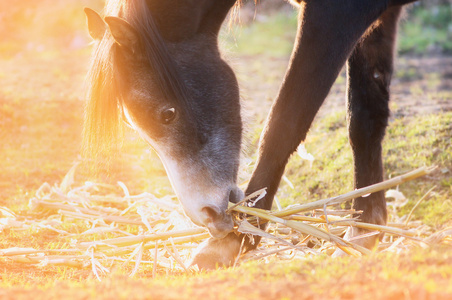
{"points": [[369, 70]]}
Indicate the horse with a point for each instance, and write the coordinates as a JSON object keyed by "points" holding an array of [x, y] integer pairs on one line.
{"points": [[157, 66]]}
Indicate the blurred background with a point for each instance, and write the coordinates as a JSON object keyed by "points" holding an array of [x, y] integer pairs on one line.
{"points": [[44, 56], [58, 25]]}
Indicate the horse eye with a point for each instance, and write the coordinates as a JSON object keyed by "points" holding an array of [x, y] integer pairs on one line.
{"points": [[168, 115]]}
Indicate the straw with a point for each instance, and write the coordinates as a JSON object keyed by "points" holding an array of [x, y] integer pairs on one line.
{"points": [[142, 225]]}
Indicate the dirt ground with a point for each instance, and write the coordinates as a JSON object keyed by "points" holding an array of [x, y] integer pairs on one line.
{"points": [[420, 85]]}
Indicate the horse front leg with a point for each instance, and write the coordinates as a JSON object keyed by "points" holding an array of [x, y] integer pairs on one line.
{"points": [[327, 33], [369, 71]]}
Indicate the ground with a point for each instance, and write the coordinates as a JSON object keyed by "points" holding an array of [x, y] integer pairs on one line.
{"points": [[41, 118]]}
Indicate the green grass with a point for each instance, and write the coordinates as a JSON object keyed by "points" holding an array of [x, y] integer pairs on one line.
{"points": [[426, 29], [422, 30], [272, 36], [419, 273], [410, 143]]}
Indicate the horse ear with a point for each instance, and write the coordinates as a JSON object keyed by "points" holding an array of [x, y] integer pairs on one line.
{"points": [[123, 33], [96, 26]]}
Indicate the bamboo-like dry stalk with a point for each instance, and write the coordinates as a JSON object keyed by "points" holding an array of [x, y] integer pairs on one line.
{"points": [[132, 240], [68, 207], [30, 251], [294, 209], [348, 222], [417, 204], [109, 219], [301, 227], [177, 241], [325, 225]]}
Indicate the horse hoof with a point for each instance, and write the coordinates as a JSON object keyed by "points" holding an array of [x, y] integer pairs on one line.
{"points": [[367, 242], [217, 253]]}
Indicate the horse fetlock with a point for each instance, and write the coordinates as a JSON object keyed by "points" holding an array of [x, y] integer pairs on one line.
{"points": [[373, 214], [376, 213], [217, 253], [361, 237]]}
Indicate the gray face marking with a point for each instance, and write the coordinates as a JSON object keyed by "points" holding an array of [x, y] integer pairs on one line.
{"points": [[200, 147], [198, 181]]}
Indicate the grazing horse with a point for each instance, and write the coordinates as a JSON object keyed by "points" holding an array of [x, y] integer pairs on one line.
{"points": [[157, 66]]}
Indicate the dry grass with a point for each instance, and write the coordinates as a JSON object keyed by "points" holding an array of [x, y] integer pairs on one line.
{"points": [[134, 230]]}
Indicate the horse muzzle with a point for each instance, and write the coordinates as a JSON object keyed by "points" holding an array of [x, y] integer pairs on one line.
{"points": [[216, 219]]}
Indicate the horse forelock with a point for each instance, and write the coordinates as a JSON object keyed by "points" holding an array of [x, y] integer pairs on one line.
{"points": [[103, 125], [157, 54], [138, 14]]}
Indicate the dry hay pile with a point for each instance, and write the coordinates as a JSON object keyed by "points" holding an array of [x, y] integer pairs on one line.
{"points": [[145, 230]]}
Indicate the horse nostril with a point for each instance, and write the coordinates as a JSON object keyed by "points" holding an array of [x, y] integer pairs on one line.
{"points": [[211, 213], [217, 221], [232, 197], [235, 195]]}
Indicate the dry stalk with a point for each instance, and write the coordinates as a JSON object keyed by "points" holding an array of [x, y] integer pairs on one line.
{"points": [[301, 227], [79, 203], [356, 193], [132, 240], [417, 204]]}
